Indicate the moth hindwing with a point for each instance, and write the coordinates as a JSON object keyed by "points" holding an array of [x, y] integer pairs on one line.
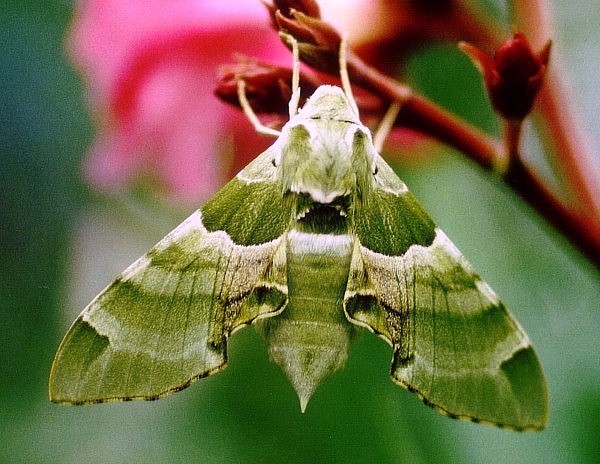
{"points": [[314, 240]]}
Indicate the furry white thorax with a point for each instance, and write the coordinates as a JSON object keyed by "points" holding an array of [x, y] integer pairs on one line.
{"points": [[317, 150]]}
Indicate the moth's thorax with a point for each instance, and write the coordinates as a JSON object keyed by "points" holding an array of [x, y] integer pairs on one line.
{"points": [[325, 151]]}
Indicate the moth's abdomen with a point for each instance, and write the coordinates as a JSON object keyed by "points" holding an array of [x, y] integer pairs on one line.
{"points": [[310, 339]]}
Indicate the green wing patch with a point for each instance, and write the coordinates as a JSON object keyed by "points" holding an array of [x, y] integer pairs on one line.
{"points": [[250, 207], [388, 219], [390, 224]]}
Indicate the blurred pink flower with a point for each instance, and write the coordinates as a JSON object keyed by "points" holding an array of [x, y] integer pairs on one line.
{"points": [[151, 67]]}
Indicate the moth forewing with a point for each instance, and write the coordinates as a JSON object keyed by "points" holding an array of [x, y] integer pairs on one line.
{"points": [[164, 322]]}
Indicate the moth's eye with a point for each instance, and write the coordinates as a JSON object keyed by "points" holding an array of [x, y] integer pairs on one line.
{"points": [[375, 170], [273, 163]]}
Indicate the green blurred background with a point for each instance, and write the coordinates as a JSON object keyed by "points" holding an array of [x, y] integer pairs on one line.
{"points": [[60, 244]]}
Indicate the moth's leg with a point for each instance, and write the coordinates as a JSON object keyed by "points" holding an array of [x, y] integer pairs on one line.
{"points": [[344, 74], [251, 115], [295, 99], [385, 126]]}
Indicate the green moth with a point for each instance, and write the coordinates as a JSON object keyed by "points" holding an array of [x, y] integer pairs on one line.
{"points": [[314, 240]]}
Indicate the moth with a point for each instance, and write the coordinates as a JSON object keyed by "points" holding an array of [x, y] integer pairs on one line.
{"points": [[314, 241]]}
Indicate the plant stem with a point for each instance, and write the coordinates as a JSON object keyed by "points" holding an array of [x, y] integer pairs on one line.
{"points": [[578, 228]]}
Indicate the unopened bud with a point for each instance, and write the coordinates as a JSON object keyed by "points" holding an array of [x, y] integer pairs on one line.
{"points": [[513, 76]]}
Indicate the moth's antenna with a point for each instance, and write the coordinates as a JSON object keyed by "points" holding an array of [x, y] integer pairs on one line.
{"points": [[250, 114], [295, 98], [385, 126], [344, 73]]}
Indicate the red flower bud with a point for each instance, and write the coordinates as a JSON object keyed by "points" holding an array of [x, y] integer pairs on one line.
{"points": [[318, 42], [513, 76], [267, 86], [308, 7]]}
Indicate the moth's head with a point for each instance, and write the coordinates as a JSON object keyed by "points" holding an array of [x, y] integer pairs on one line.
{"points": [[331, 103], [325, 152]]}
